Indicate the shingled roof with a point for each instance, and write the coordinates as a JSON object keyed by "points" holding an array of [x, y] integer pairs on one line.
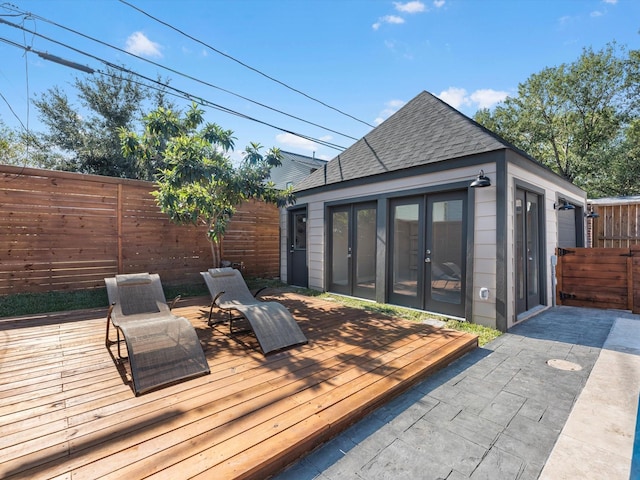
{"points": [[426, 130]]}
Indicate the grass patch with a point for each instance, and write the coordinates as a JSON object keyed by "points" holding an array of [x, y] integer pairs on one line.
{"points": [[34, 303], [485, 334]]}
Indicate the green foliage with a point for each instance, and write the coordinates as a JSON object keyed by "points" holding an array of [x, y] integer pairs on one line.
{"points": [[573, 117], [34, 303], [87, 137], [196, 180], [485, 334], [22, 149]]}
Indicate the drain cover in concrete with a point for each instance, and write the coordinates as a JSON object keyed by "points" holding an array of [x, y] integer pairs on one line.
{"points": [[563, 365]]}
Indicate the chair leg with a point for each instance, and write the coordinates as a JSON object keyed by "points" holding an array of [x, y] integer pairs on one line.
{"points": [[119, 341]]}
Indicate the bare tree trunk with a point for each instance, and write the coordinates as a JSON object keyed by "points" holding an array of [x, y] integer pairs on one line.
{"points": [[215, 254]]}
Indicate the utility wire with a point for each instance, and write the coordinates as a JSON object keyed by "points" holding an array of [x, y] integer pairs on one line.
{"points": [[244, 64], [187, 95], [177, 72]]}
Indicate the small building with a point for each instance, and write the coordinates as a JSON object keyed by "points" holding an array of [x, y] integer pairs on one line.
{"points": [[294, 168], [432, 211]]}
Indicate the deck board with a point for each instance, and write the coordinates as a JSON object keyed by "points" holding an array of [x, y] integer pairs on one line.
{"points": [[67, 410]]}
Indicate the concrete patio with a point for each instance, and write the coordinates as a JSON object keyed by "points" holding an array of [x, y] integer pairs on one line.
{"points": [[504, 412]]}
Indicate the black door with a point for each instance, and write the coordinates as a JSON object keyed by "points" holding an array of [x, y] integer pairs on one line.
{"points": [[352, 239], [297, 264], [427, 253], [528, 250]]}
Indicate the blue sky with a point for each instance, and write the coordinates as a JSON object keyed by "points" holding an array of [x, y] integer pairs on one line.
{"points": [[364, 57]]}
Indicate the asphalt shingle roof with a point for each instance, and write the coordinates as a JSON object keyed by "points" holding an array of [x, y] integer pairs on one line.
{"points": [[426, 130]]}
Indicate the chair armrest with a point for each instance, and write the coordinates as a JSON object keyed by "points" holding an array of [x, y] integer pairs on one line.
{"points": [[175, 300], [255, 295], [215, 299]]}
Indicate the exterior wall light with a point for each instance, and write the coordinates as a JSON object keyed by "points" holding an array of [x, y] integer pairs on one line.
{"points": [[563, 205], [481, 181]]}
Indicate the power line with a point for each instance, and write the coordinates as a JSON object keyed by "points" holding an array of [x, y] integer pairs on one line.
{"points": [[244, 64], [177, 72], [182, 93], [187, 96]]}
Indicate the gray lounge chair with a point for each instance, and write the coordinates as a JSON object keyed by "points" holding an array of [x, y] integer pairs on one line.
{"points": [[272, 324], [162, 348]]}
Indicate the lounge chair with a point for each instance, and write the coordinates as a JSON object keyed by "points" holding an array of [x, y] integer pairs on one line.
{"points": [[162, 348], [271, 322]]}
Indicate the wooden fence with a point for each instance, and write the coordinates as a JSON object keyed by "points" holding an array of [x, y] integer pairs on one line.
{"points": [[599, 278], [617, 226], [67, 231]]}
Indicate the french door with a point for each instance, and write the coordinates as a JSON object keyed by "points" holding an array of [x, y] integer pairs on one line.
{"points": [[352, 240], [528, 250], [428, 255]]}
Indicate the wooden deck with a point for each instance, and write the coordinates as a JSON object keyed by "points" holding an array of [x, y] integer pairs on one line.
{"points": [[67, 411]]}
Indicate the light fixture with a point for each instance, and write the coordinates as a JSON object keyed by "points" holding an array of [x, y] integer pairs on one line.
{"points": [[563, 205], [481, 181], [591, 214]]}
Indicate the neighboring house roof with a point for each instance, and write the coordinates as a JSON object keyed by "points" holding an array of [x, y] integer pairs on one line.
{"points": [[294, 168], [425, 130]]}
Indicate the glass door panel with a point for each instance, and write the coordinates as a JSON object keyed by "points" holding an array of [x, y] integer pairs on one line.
{"points": [[407, 260], [340, 251], [533, 251], [445, 254], [520, 253], [365, 252]]}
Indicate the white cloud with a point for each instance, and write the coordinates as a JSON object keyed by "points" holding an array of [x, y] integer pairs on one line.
{"points": [[596, 13], [140, 45], [487, 97], [410, 7], [391, 107], [482, 98], [290, 140], [456, 97], [387, 19], [438, 3], [611, 2]]}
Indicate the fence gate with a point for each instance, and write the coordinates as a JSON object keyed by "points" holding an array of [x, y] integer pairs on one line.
{"points": [[599, 277]]}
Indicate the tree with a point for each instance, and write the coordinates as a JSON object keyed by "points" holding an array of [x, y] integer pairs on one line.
{"points": [[572, 117], [89, 140], [623, 176], [22, 149], [196, 180]]}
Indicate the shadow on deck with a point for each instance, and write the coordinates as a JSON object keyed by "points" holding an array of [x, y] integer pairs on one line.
{"points": [[66, 410]]}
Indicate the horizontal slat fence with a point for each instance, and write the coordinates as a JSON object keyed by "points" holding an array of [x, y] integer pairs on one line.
{"points": [[599, 278], [67, 231]]}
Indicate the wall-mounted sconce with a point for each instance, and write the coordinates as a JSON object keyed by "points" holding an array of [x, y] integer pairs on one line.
{"points": [[591, 214], [563, 205], [481, 181]]}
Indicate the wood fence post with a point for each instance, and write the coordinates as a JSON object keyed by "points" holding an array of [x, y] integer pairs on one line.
{"points": [[119, 226], [558, 277], [635, 261], [630, 301]]}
